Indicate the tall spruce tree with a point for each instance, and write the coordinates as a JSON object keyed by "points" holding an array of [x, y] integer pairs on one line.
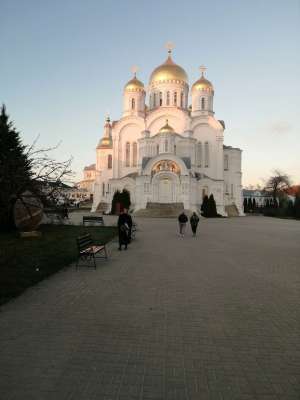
{"points": [[125, 199], [116, 199], [15, 169], [204, 206], [245, 205], [297, 206], [212, 208]]}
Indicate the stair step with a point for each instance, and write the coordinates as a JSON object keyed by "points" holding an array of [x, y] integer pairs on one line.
{"points": [[160, 210]]}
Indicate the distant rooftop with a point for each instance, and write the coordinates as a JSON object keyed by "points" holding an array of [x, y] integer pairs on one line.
{"points": [[90, 167]]}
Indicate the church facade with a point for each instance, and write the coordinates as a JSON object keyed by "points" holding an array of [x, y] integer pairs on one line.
{"points": [[166, 151]]}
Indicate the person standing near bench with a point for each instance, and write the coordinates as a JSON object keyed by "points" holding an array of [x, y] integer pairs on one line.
{"points": [[182, 219], [194, 220], [124, 228]]}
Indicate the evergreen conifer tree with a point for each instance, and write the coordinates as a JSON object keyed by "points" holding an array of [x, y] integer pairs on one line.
{"points": [[116, 199], [250, 208], [15, 169], [125, 199], [245, 205], [297, 207], [204, 206], [267, 203], [212, 208]]}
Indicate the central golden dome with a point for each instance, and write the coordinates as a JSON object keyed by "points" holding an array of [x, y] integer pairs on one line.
{"points": [[168, 71]]}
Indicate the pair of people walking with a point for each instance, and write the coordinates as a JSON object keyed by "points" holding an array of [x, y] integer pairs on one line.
{"points": [[183, 219]]}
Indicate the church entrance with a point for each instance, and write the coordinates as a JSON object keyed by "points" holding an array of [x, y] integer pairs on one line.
{"points": [[165, 180], [165, 190]]}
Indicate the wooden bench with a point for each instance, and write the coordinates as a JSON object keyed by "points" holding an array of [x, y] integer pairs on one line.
{"points": [[92, 219], [88, 251]]}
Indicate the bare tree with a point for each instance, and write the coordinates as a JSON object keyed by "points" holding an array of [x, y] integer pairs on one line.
{"points": [[48, 174], [277, 184]]}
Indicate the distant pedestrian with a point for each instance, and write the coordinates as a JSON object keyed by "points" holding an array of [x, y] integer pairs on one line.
{"points": [[182, 219], [124, 229], [194, 220]]}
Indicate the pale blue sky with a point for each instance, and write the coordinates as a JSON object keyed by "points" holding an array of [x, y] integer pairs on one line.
{"points": [[63, 65]]}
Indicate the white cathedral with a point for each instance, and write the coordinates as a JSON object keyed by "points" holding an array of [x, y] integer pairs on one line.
{"points": [[166, 151]]}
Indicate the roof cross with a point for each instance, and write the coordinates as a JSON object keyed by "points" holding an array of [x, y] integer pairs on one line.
{"points": [[134, 70], [202, 69], [169, 46]]}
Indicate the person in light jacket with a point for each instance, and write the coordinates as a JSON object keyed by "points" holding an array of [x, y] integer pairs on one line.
{"points": [[182, 219]]}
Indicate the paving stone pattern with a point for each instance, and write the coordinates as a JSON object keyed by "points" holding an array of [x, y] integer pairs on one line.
{"points": [[214, 317]]}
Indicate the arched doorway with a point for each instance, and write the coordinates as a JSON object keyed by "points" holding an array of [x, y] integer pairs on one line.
{"points": [[166, 190], [165, 187], [165, 180]]}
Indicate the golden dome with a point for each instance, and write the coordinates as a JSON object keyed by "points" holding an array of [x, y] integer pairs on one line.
{"points": [[134, 85], [168, 71], [203, 84], [166, 128], [105, 143]]}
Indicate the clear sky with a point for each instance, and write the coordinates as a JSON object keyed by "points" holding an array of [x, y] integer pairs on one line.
{"points": [[63, 65]]}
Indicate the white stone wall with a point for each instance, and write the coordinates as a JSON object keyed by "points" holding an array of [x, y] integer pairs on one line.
{"points": [[197, 136]]}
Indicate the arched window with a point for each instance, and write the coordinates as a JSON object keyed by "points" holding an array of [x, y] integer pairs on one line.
{"points": [[132, 104], [226, 162], [175, 98], [127, 155], [202, 103], [181, 99], [199, 155], [134, 154], [160, 99], [109, 161], [168, 98], [103, 189], [166, 145], [206, 155], [157, 149], [155, 99], [150, 100], [174, 148]]}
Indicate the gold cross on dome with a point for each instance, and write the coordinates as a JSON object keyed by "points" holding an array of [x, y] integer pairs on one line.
{"points": [[169, 46], [107, 118], [202, 69], [134, 69]]}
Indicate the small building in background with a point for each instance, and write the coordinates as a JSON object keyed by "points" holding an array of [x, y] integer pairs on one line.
{"points": [[88, 182], [260, 196]]}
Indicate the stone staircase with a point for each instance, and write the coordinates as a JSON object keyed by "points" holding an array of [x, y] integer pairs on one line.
{"points": [[232, 210], [102, 207], [160, 210]]}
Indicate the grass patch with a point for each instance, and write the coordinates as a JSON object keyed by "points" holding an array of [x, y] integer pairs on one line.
{"points": [[26, 261]]}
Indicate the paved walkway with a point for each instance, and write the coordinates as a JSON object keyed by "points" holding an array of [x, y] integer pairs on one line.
{"points": [[212, 317]]}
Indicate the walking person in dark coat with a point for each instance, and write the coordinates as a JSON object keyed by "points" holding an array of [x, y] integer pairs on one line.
{"points": [[124, 228], [182, 219], [194, 220]]}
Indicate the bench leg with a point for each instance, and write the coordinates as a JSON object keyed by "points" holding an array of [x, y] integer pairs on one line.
{"points": [[105, 252], [94, 261]]}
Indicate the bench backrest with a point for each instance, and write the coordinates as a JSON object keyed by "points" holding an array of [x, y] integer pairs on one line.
{"points": [[98, 220], [84, 241]]}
